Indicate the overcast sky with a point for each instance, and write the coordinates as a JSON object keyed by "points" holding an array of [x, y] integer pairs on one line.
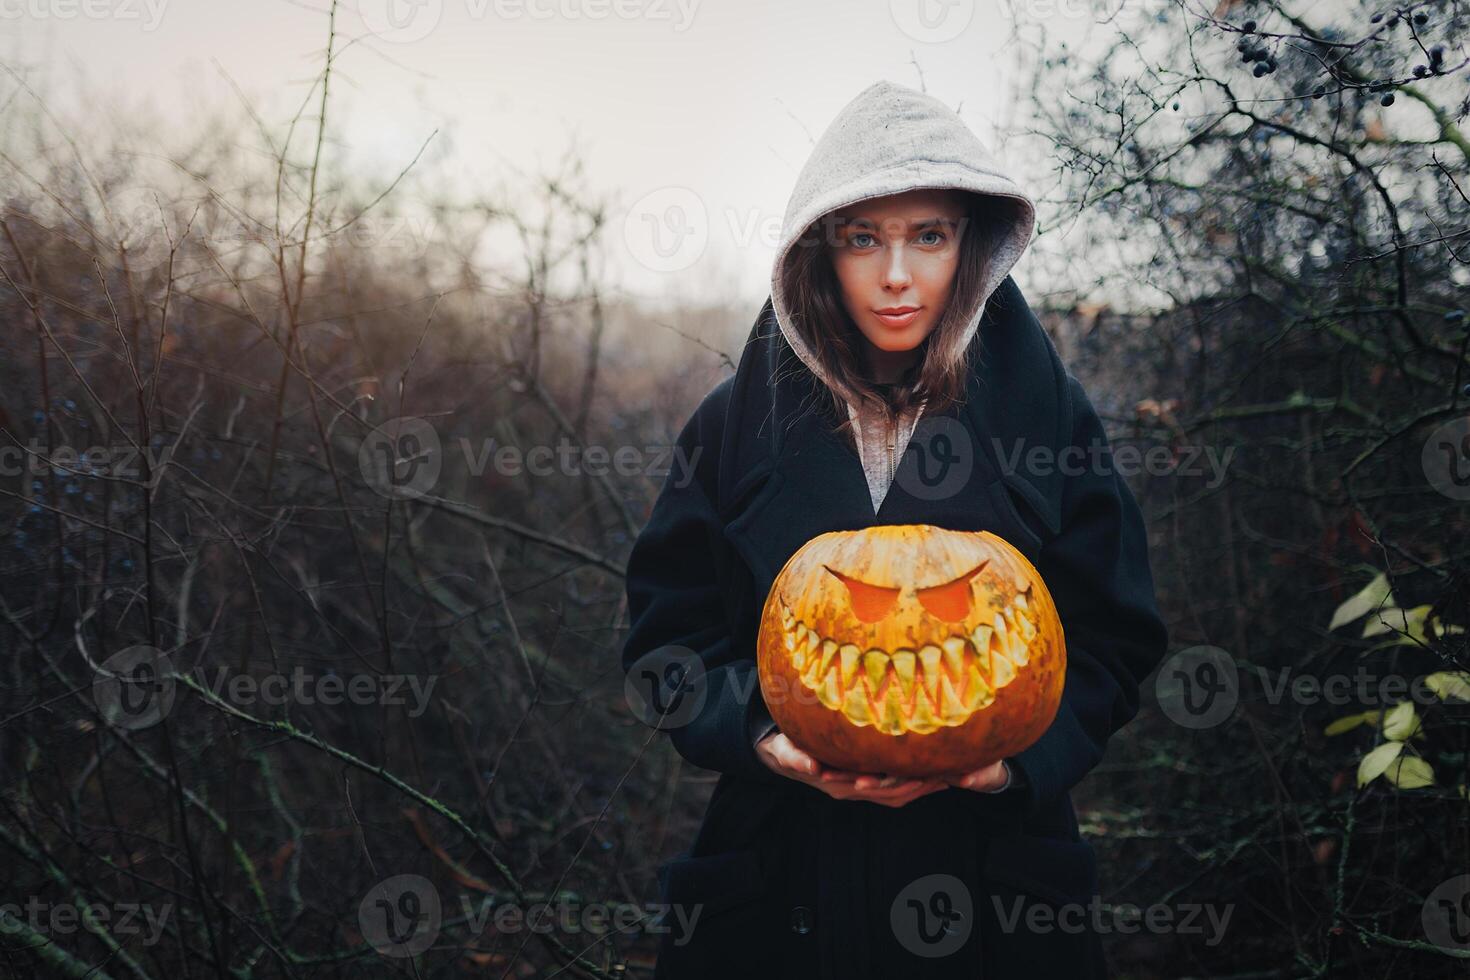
{"points": [[696, 113]]}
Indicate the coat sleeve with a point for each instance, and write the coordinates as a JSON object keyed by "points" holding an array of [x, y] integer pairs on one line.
{"points": [[1097, 571], [675, 600]]}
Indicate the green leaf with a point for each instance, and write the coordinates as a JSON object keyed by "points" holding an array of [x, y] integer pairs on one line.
{"points": [[1448, 684], [1401, 722], [1410, 772], [1373, 764], [1408, 623], [1372, 596], [1348, 722]]}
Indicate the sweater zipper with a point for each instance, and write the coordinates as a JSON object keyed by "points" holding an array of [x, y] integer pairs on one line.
{"points": [[892, 439]]}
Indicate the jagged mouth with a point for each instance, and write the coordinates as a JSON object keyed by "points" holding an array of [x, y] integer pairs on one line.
{"points": [[907, 690]]}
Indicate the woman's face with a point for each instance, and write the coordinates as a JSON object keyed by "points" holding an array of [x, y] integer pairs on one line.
{"points": [[895, 259]]}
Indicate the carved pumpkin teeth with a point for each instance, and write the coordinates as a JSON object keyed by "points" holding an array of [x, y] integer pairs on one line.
{"points": [[1021, 601], [850, 657], [951, 708], [1002, 670], [954, 656], [930, 656], [796, 650], [903, 667], [855, 706], [924, 720], [829, 653], [813, 675], [875, 665], [829, 693], [977, 692], [980, 640], [891, 720]]}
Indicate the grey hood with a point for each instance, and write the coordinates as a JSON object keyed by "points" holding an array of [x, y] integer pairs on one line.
{"points": [[887, 140]]}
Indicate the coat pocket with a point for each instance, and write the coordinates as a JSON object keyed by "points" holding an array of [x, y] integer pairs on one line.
{"points": [[1041, 908], [719, 919]]}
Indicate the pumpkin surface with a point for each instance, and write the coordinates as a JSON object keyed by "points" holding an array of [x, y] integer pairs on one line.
{"points": [[911, 650]]}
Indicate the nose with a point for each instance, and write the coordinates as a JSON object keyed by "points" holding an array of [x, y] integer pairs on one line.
{"points": [[896, 275]]}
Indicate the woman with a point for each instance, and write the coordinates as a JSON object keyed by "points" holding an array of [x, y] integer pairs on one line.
{"points": [[893, 335]]}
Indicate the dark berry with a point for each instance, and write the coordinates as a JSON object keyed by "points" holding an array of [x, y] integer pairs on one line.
{"points": [[1421, 18], [1387, 98], [1375, 18], [1436, 55], [1248, 26], [1319, 91], [1420, 71], [1261, 69], [1176, 106]]}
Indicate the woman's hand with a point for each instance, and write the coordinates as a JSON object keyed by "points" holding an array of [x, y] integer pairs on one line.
{"points": [[781, 756], [984, 780]]}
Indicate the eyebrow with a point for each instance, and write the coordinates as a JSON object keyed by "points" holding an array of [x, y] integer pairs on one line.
{"points": [[913, 225]]}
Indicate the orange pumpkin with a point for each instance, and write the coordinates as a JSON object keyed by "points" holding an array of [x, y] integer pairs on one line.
{"points": [[911, 650]]}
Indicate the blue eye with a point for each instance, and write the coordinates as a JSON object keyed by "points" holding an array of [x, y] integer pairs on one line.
{"points": [[933, 232], [862, 234]]}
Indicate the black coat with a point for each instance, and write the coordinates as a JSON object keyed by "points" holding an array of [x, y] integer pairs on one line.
{"points": [[787, 881]]}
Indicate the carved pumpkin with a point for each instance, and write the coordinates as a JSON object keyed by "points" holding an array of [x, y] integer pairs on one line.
{"points": [[911, 650]]}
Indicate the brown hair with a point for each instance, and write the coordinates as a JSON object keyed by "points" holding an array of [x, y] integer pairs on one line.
{"points": [[939, 375]]}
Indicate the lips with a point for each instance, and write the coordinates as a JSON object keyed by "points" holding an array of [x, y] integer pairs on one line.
{"points": [[898, 316]]}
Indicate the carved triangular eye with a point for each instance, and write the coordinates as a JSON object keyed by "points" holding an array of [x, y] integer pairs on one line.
{"points": [[951, 601], [870, 603]]}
